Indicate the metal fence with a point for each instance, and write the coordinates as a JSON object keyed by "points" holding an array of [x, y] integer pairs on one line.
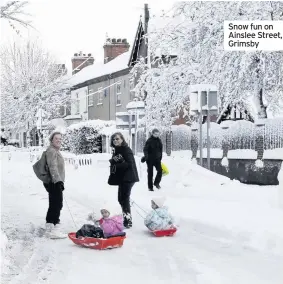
{"points": [[240, 135]]}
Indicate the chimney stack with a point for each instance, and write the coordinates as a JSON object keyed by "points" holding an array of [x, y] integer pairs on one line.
{"points": [[114, 47], [80, 61]]}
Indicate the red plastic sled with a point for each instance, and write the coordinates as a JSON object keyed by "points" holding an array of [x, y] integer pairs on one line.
{"points": [[165, 233], [100, 244]]}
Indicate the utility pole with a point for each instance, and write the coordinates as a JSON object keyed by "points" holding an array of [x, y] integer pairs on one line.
{"points": [[146, 20], [147, 49]]}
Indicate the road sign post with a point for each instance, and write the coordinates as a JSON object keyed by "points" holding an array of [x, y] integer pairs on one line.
{"points": [[204, 102]]}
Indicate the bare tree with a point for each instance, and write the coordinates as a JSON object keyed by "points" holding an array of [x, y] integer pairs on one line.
{"points": [[14, 12], [31, 81]]}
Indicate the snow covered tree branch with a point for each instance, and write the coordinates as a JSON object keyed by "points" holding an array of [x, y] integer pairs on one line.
{"points": [[13, 12], [164, 94], [30, 81], [195, 35]]}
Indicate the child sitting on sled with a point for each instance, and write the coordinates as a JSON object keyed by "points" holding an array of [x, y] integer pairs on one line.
{"points": [[110, 225], [159, 218]]}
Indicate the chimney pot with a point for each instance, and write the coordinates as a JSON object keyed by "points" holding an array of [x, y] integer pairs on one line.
{"points": [[116, 47], [79, 61]]}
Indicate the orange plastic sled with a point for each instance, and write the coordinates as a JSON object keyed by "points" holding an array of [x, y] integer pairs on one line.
{"points": [[99, 244], [165, 233]]}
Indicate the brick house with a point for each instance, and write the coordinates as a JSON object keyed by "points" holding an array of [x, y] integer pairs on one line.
{"points": [[102, 89]]}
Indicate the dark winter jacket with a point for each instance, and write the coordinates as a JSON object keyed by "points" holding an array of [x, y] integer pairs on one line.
{"points": [[90, 231], [125, 169], [153, 149]]}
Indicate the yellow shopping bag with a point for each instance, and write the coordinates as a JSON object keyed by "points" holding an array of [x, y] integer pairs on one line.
{"points": [[165, 170]]}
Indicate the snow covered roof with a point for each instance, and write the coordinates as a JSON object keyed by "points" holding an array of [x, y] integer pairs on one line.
{"points": [[121, 113], [73, 116], [135, 105], [96, 124], [254, 108], [202, 87], [100, 69]]}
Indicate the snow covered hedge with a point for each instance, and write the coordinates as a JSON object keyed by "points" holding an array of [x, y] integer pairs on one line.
{"points": [[85, 137]]}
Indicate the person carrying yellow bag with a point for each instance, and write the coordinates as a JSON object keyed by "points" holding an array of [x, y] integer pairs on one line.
{"points": [[165, 170], [153, 151]]}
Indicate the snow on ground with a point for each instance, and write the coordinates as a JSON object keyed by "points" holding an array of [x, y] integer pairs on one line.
{"points": [[228, 232]]}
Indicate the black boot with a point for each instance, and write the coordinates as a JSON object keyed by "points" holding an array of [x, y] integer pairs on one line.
{"points": [[127, 220], [157, 186], [150, 189]]}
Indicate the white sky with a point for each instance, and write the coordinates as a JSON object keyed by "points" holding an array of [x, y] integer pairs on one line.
{"points": [[68, 26]]}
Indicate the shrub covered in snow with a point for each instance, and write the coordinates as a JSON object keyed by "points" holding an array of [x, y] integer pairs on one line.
{"points": [[85, 137], [181, 137], [241, 135]]}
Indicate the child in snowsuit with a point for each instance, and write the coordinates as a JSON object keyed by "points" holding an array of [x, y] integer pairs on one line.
{"points": [[110, 225], [159, 218]]}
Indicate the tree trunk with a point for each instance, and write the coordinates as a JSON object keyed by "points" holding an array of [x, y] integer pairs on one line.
{"points": [[261, 108]]}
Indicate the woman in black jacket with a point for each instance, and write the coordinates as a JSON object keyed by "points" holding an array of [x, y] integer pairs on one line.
{"points": [[124, 173]]}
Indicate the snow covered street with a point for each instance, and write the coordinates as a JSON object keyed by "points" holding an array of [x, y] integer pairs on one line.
{"points": [[228, 232]]}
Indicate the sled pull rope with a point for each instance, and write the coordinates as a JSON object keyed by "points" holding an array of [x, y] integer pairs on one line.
{"points": [[136, 205], [70, 212]]}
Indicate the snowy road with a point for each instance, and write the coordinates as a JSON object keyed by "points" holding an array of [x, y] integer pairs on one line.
{"points": [[228, 234]]}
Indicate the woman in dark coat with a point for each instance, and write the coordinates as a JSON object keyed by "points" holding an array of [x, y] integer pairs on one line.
{"points": [[124, 173]]}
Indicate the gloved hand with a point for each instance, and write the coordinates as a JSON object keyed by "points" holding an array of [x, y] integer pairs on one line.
{"points": [[143, 160], [92, 217], [59, 185], [118, 159]]}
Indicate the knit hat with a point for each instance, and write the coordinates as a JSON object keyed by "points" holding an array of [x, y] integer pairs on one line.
{"points": [[104, 210], [154, 130], [159, 201]]}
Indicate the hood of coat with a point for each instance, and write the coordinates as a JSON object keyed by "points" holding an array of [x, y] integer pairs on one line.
{"points": [[159, 201]]}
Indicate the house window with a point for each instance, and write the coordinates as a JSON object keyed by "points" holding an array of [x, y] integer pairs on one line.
{"points": [[100, 96], [132, 86], [118, 94], [90, 96], [85, 102], [77, 104]]}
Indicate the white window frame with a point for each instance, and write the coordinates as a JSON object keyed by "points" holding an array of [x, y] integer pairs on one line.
{"points": [[118, 95], [77, 103], [100, 96], [90, 98], [86, 101]]}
